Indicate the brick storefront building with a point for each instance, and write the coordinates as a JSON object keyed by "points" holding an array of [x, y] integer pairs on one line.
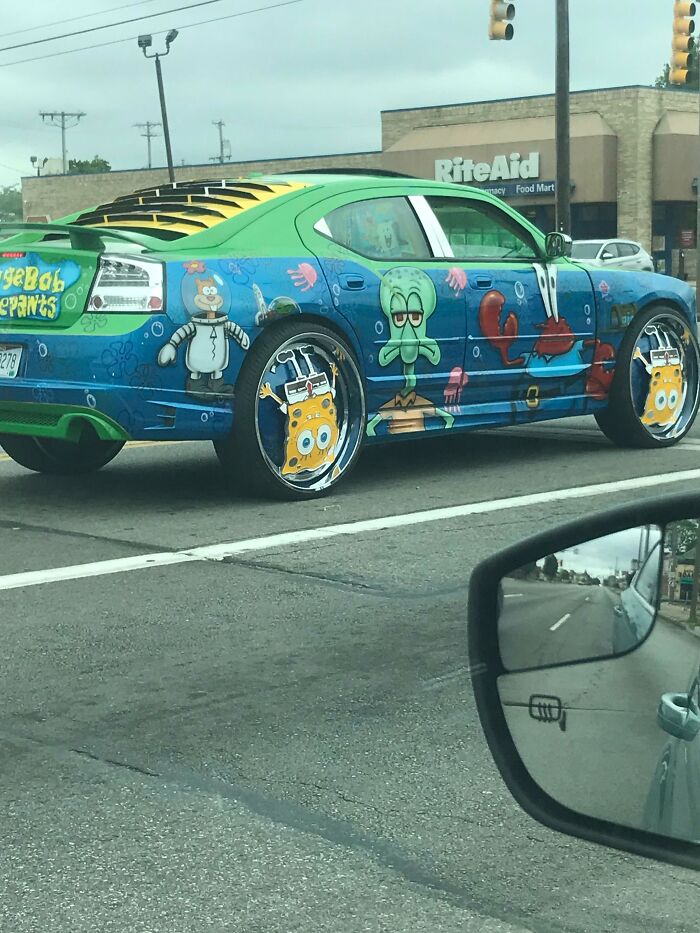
{"points": [[634, 156]]}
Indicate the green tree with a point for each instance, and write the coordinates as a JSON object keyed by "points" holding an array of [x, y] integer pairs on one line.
{"points": [[550, 566], [92, 166], [10, 203], [686, 534]]}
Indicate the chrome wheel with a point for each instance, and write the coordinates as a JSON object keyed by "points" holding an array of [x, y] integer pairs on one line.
{"points": [[309, 411], [664, 377]]}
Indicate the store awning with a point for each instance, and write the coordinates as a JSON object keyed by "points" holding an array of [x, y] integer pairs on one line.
{"points": [[675, 156], [593, 149]]}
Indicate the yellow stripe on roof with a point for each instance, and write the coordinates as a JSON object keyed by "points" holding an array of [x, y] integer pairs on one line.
{"points": [[234, 196]]}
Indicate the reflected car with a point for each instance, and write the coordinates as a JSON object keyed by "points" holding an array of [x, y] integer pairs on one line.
{"points": [[636, 611], [613, 254], [293, 319], [673, 804]]}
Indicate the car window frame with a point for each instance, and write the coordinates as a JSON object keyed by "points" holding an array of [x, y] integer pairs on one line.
{"points": [[634, 583], [307, 219], [488, 208]]}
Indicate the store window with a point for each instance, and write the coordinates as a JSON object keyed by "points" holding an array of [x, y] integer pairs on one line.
{"points": [[380, 228], [477, 231]]}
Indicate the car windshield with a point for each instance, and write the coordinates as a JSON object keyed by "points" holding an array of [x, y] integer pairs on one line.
{"points": [[286, 349], [587, 250]]}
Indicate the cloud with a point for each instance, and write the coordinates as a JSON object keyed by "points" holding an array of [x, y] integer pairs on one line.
{"points": [[305, 79]]}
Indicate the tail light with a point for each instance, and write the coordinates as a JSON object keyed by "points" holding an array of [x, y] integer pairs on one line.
{"points": [[127, 286]]}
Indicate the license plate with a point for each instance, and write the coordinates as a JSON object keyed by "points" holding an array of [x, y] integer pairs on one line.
{"points": [[10, 358]]}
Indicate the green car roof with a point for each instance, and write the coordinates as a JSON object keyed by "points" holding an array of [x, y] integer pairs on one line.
{"points": [[203, 215]]}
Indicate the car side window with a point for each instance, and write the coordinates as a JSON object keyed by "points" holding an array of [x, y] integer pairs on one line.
{"points": [[647, 579], [626, 249], [476, 230], [378, 228]]}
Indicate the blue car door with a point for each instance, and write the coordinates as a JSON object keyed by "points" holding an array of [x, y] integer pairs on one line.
{"points": [[400, 302], [530, 324]]}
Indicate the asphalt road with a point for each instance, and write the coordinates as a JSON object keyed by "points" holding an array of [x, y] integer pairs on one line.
{"points": [[282, 736], [551, 623]]}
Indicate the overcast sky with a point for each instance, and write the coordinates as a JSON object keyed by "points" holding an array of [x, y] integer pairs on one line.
{"points": [[305, 79], [602, 556]]}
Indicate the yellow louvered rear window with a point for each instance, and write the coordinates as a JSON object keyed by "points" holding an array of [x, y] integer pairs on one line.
{"points": [[185, 207]]}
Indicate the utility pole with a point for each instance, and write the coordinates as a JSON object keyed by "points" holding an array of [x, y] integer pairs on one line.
{"points": [[61, 118], [149, 134], [563, 120], [220, 158], [501, 27]]}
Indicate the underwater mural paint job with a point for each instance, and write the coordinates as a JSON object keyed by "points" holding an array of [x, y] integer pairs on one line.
{"points": [[433, 337]]}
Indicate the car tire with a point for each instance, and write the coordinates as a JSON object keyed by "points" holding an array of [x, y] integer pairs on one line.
{"points": [[627, 419], [271, 452], [62, 458]]}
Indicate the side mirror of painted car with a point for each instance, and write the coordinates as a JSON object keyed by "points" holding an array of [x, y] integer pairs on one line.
{"points": [[558, 245], [589, 695]]}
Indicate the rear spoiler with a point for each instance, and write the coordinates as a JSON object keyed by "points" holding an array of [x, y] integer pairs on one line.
{"points": [[90, 238]]}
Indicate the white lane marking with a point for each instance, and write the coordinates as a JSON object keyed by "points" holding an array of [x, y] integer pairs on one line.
{"points": [[553, 628], [218, 552], [512, 595]]}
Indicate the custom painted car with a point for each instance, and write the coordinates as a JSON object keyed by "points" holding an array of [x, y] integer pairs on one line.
{"points": [[292, 319]]}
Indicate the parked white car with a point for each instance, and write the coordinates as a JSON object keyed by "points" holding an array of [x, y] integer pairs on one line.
{"points": [[613, 254]]}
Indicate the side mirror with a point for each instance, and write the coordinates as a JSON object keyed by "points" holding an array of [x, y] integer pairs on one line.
{"points": [[584, 649], [605, 255], [558, 245]]}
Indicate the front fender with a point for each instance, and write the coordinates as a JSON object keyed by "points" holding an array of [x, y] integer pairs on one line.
{"points": [[620, 295]]}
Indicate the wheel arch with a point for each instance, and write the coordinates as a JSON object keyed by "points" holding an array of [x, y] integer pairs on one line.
{"points": [[666, 301], [330, 322]]}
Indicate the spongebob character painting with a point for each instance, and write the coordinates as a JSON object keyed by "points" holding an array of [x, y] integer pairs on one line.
{"points": [[408, 298], [207, 334], [312, 433], [666, 391]]}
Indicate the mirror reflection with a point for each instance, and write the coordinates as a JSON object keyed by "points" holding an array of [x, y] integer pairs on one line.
{"points": [[596, 599], [616, 736]]}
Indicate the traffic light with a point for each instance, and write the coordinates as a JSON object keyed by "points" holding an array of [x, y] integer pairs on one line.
{"points": [[683, 41], [502, 16]]}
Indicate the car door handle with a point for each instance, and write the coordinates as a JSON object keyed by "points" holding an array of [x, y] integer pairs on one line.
{"points": [[352, 282], [482, 281]]}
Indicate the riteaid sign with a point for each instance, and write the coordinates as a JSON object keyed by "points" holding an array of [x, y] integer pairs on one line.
{"points": [[502, 168]]}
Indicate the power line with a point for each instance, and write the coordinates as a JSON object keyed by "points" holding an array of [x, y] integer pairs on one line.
{"points": [[72, 19], [123, 22], [101, 45]]}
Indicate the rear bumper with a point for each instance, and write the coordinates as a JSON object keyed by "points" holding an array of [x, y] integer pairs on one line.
{"points": [[114, 412], [64, 422], [108, 380]]}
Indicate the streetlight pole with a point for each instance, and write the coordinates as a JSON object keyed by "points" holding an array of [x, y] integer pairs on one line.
{"points": [[145, 43], [563, 120]]}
